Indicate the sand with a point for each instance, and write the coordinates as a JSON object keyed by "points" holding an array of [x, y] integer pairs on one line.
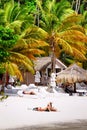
{"points": [[16, 112]]}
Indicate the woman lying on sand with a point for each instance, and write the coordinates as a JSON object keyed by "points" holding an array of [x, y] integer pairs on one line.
{"points": [[29, 92], [48, 108]]}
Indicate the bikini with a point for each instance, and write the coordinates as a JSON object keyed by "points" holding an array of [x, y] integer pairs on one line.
{"points": [[47, 110], [36, 109]]}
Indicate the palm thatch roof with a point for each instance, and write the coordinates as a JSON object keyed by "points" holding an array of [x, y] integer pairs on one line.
{"points": [[72, 74], [43, 62]]}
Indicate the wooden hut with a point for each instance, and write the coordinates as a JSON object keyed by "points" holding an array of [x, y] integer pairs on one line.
{"points": [[43, 65]]}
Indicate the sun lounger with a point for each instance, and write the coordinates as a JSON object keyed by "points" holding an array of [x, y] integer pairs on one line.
{"points": [[81, 92]]}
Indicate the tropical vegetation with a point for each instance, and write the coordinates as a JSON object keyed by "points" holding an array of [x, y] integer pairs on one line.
{"points": [[65, 33], [28, 44], [38, 28]]}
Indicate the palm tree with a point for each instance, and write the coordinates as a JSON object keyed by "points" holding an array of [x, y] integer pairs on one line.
{"points": [[7, 41], [84, 24], [64, 30], [15, 17], [28, 45]]}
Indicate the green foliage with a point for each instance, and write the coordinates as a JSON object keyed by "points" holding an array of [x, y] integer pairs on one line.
{"points": [[16, 17], [85, 65], [23, 2], [52, 16], [7, 37], [7, 40], [3, 96], [2, 2], [66, 58], [31, 7], [2, 69], [64, 30]]}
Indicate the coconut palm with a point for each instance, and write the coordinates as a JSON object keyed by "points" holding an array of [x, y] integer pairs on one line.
{"points": [[15, 17], [64, 30], [28, 45], [84, 24]]}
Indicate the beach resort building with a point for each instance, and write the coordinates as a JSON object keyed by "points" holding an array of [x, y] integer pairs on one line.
{"points": [[43, 66]]}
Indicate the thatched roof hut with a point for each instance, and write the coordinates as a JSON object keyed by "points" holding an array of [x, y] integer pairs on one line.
{"points": [[43, 65], [72, 74], [42, 62]]}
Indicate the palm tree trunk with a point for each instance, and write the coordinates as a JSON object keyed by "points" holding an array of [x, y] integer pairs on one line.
{"points": [[18, 3], [77, 5], [53, 54], [53, 62], [12, 1], [38, 17]]}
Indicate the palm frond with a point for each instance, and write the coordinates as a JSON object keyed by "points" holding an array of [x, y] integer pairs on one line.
{"points": [[71, 20], [80, 47], [33, 43], [64, 44], [78, 28], [34, 32], [7, 11], [23, 63], [73, 35], [78, 54], [30, 32], [2, 16], [21, 57], [20, 45], [16, 25], [13, 70], [37, 51], [63, 9]]}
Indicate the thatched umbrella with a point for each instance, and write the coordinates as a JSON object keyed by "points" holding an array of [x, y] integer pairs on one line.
{"points": [[72, 74]]}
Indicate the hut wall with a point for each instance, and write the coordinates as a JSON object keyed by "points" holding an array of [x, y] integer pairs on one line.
{"points": [[28, 78]]}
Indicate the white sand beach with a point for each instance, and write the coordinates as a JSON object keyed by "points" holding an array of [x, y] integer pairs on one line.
{"points": [[16, 111]]}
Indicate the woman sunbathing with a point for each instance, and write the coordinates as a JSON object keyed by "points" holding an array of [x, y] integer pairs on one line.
{"points": [[48, 108], [29, 92]]}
